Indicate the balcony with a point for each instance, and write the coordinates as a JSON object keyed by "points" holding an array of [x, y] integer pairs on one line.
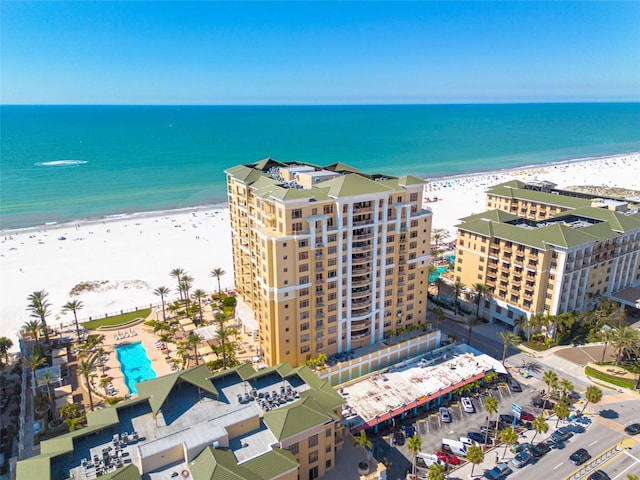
{"points": [[360, 259], [363, 236], [361, 303], [360, 292], [359, 283], [360, 270], [362, 220], [359, 324], [362, 248], [359, 335], [358, 312]]}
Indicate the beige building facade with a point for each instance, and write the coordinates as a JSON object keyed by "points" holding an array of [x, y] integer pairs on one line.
{"points": [[545, 253], [328, 258]]}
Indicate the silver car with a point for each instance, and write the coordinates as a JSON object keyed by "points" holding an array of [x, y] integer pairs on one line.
{"points": [[445, 416]]}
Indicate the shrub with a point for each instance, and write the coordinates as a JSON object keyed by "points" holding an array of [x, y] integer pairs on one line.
{"points": [[229, 302]]}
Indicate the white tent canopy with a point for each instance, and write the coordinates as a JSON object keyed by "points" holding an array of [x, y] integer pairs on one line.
{"points": [[245, 315]]}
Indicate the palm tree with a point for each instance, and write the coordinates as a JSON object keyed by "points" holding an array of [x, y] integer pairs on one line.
{"points": [[606, 334], [508, 338], [475, 455], [363, 442], [217, 273], [178, 273], [5, 346], [73, 423], [551, 379], [194, 340], [458, 288], [223, 333], [74, 306], [508, 436], [540, 425], [437, 471], [593, 395], [562, 411], [440, 317], [481, 290], [47, 380], [490, 377], [567, 387], [491, 406], [625, 339], [34, 362], [104, 383], [32, 327], [85, 369], [186, 283], [162, 292], [414, 444], [630, 476], [439, 281], [198, 295], [563, 322], [40, 309]]}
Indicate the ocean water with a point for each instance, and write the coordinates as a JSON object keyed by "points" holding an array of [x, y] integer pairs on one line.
{"points": [[60, 163]]}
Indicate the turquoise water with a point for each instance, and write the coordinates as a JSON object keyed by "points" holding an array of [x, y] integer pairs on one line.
{"points": [[434, 276], [135, 365], [59, 163]]}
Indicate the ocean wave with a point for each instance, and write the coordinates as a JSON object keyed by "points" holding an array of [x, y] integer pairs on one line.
{"points": [[60, 163]]}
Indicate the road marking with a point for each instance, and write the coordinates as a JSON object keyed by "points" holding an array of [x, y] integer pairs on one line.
{"points": [[557, 466], [593, 443], [635, 458]]}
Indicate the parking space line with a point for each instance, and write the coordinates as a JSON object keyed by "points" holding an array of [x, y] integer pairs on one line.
{"points": [[593, 443], [557, 466]]}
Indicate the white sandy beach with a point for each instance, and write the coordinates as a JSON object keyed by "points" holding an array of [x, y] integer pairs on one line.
{"points": [[134, 254]]}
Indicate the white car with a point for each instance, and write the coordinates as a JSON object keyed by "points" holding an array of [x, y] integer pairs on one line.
{"points": [[445, 416], [467, 405]]}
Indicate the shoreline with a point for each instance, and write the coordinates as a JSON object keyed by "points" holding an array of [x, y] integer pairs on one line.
{"points": [[127, 256], [222, 205]]}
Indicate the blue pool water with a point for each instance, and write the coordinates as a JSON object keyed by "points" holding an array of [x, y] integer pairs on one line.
{"points": [[135, 365], [434, 276]]}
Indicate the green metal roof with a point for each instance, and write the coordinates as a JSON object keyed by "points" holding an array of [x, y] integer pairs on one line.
{"points": [[328, 398], [272, 464], [352, 184], [219, 464], [495, 215], [507, 191], [241, 172], [297, 417], [267, 163], [341, 167], [35, 467], [618, 221], [405, 180], [128, 472]]}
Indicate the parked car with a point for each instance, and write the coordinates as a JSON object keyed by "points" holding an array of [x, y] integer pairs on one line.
{"points": [[479, 437], [467, 405], [598, 475], [562, 434], [445, 416], [499, 471], [632, 429], [526, 416], [579, 456], [398, 437], [447, 457], [543, 403], [521, 459], [514, 386], [409, 431], [576, 427], [584, 420], [540, 450], [551, 443]]}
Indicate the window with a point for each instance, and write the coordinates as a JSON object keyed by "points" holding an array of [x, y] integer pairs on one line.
{"points": [[294, 449], [313, 456], [328, 448], [304, 303], [304, 327], [304, 349], [296, 213], [313, 441], [302, 243], [313, 473], [327, 433], [303, 268], [296, 227], [303, 255]]}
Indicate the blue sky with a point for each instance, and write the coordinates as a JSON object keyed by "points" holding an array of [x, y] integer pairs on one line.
{"points": [[318, 53]]}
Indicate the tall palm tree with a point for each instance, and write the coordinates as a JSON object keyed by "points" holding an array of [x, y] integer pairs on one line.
{"points": [[593, 395], [73, 423], [458, 287], [491, 406], [567, 387], [563, 323], [482, 290], [508, 338], [5, 346], [440, 316], [162, 292], [178, 273], [437, 471], [551, 379], [186, 282], [363, 443], [217, 273], [34, 362], [439, 281], [194, 340], [47, 380], [223, 333], [32, 327], [625, 340], [414, 444], [561, 409], [40, 308], [85, 368], [605, 334], [198, 294], [74, 306], [508, 436], [540, 425], [475, 455]]}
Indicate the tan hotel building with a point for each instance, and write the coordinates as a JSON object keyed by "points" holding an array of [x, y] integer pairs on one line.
{"points": [[328, 258], [546, 252]]}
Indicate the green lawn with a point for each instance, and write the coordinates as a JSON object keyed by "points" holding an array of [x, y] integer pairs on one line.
{"points": [[117, 319], [608, 378]]}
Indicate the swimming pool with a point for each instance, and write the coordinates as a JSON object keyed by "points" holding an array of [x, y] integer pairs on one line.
{"points": [[434, 276], [135, 365]]}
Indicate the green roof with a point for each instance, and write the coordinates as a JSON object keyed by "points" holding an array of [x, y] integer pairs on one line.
{"points": [[352, 184], [34, 467], [128, 472], [328, 398], [219, 464], [272, 464], [157, 390], [495, 215], [405, 180], [618, 221], [507, 191], [297, 417], [241, 172], [267, 163], [341, 167]]}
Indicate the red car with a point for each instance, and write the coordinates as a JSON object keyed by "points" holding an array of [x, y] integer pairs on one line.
{"points": [[526, 416], [447, 457]]}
